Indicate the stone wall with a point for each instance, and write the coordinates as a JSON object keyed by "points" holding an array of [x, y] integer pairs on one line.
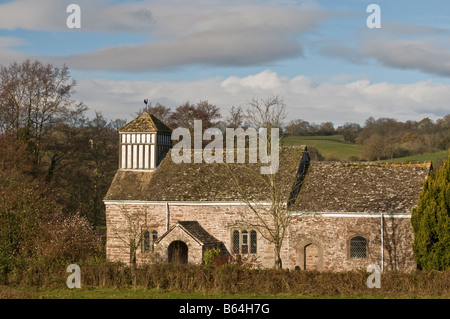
{"points": [[330, 235], [218, 220]]}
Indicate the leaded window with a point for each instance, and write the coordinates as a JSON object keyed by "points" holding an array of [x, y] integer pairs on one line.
{"points": [[236, 241], [146, 241], [358, 247], [149, 239], [154, 236], [253, 242], [244, 242]]}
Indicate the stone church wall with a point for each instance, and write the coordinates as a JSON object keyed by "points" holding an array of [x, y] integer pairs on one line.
{"points": [[330, 236]]}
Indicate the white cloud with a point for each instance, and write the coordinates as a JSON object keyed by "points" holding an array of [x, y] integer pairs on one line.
{"points": [[180, 34], [315, 102], [262, 81], [423, 55], [96, 16], [7, 51], [203, 49], [222, 34], [33, 15], [395, 45]]}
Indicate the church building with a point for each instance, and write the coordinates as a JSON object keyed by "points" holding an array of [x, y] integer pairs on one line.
{"points": [[343, 215]]}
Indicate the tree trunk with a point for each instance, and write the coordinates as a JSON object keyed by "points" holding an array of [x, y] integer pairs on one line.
{"points": [[278, 261]]}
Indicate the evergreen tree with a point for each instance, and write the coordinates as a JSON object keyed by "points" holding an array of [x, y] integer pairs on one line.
{"points": [[431, 221]]}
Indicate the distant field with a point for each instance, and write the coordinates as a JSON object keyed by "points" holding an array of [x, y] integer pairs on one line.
{"points": [[331, 147], [436, 158], [334, 148]]}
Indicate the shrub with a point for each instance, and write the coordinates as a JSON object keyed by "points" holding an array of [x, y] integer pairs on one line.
{"points": [[211, 255], [431, 221], [68, 238], [22, 206]]}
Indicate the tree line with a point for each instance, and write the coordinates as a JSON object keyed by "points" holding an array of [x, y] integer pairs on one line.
{"points": [[384, 138], [56, 164]]}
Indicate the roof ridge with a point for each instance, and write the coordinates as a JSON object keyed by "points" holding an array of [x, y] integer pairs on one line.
{"points": [[145, 122], [376, 163]]}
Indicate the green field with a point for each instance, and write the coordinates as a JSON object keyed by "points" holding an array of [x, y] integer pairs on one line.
{"points": [[334, 148], [331, 147], [436, 158]]}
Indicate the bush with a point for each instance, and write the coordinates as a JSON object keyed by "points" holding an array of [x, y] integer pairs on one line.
{"points": [[68, 238], [211, 255], [231, 279]]}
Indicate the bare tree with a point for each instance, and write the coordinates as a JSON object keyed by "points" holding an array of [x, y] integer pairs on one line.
{"points": [[272, 218], [33, 96], [185, 115], [268, 113], [235, 118], [130, 232]]}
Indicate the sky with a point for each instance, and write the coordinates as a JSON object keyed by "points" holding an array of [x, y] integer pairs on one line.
{"points": [[321, 57]]}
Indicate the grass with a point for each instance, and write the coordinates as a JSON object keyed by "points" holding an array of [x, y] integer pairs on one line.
{"points": [[125, 293], [335, 148], [436, 158], [7, 292], [331, 147]]}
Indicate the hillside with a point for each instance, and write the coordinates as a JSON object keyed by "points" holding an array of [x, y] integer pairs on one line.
{"points": [[436, 158], [334, 148]]}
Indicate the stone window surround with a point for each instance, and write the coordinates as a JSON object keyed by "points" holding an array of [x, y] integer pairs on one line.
{"points": [[152, 232]]}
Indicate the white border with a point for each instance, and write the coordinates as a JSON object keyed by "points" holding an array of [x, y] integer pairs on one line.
{"points": [[178, 203], [352, 214]]}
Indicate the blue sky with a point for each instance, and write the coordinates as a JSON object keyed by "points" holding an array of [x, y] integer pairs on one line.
{"points": [[320, 56]]}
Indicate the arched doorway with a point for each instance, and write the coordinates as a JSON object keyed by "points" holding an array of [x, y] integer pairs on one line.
{"points": [[178, 252], [311, 257]]}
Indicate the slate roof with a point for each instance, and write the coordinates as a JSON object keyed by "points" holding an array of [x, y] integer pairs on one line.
{"points": [[205, 182], [351, 187], [195, 230], [145, 123], [362, 187]]}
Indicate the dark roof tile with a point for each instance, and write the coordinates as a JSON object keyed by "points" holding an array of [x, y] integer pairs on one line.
{"points": [[204, 182], [362, 187], [145, 123], [194, 229]]}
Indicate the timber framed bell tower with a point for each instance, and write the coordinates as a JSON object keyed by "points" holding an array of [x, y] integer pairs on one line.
{"points": [[143, 143]]}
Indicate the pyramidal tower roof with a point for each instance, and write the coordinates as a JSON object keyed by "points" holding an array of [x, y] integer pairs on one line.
{"points": [[145, 123]]}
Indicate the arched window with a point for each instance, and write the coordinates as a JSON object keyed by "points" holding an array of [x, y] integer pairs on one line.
{"points": [[146, 241], [253, 242], [236, 240], [358, 247], [244, 242], [154, 236]]}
